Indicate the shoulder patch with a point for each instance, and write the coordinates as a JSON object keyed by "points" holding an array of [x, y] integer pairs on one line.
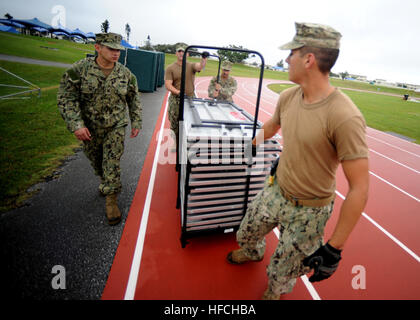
{"points": [[73, 75]]}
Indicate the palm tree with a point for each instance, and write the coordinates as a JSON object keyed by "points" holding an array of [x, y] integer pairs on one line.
{"points": [[127, 31], [105, 26]]}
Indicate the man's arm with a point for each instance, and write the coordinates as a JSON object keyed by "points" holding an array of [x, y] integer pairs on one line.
{"points": [[169, 86], [134, 106], [268, 130], [325, 260], [200, 65], [69, 104], [229, 89], [212, 89], [357, 174]]}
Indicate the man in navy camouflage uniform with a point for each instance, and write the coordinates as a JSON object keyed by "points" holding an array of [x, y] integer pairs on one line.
{"points": [[93, 98], [225, 87]]}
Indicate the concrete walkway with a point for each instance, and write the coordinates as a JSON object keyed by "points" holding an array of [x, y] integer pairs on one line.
{"points": [[34, 61], [65, 225]]}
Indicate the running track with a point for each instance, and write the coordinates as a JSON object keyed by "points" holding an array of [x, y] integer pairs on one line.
{"points": [[381, 254]]}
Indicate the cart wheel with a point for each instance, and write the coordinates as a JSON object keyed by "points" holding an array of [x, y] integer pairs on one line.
{"points": [[184, 242]]}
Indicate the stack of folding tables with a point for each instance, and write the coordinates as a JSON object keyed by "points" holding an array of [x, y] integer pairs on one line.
{"points": [[218, 176]]}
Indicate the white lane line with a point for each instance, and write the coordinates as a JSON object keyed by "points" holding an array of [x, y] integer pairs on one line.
{"points": [[394, 186], [252, 93], [135, 266], [391, 145], [252, 104], [310, 287], [314, 294], [390, 136], [401, 164], [398, 242]]}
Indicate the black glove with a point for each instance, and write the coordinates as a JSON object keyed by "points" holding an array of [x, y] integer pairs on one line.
{"points": [[274, 166], [205, 54], [324, 261]]}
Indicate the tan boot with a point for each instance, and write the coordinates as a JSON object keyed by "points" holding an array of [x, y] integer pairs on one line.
{"points": [[268, 295], [239, 257], [112, 212]]}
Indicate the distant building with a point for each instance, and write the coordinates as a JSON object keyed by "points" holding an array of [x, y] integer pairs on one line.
{"points": [[275, 68], [385, 83], [358, 77], [415, 87]]}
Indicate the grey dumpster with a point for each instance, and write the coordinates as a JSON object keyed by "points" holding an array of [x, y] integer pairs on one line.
{"points": [[145, 65]]}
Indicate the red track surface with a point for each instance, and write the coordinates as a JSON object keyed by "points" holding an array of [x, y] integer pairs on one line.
{"points": [[385, 243]]}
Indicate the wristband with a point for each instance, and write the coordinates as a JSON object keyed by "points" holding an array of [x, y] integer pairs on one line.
{"points": [[330, 247]]}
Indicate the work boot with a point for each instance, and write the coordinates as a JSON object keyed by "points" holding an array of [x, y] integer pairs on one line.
{"points": [[268, 295], [112, 212], [239, 257]]}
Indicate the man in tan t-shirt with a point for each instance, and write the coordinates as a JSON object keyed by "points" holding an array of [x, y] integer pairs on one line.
{"points": [[321, 128], [173, 75]]}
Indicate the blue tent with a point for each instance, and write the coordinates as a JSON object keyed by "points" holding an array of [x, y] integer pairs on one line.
{"points": [[33, 23], [80, 33], [11, 23], [126, 44], [39, 29], [8, 29], [60, 30], [91, 35], [58, 33]]}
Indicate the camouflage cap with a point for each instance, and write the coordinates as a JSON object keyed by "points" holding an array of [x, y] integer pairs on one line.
{"points": [[110, 40], [178, 48], [227, 65], [313, 35]]}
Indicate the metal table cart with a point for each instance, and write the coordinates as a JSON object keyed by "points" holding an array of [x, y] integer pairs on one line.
{"points": [[217, 175]]}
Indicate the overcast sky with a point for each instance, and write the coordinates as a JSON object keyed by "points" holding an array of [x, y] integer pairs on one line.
{"points": [[381, 38]]}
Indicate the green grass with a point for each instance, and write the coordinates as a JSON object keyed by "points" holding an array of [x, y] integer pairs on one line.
{"points": [[389, 114], [39, 76], [385, 113], [33, 142], [371, 87], [36, 48], [33, 137]]}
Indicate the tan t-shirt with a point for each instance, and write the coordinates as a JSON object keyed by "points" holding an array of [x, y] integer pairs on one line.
{"points": [[316, 138], [174, 72]]}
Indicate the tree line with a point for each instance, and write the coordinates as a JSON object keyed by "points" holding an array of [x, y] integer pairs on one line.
{"points": [[233, 56]]}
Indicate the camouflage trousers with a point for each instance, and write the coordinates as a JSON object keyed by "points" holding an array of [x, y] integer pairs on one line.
{"points": [[104, 152], [301, 234], [173, 114]]}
